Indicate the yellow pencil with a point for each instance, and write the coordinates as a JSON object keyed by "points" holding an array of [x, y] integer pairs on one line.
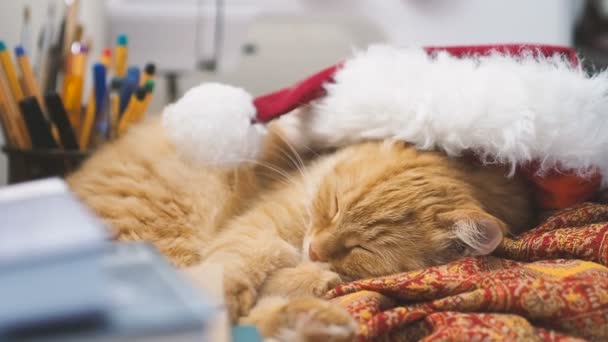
{"points": [[120, 56], [114, 113], [106, 58], [15, 129], [149, 86], [129, 117], [8, 130], [11, 73], [29, 81], [87, 125], [71, 25], [31, 87], [114, 92], [72, 89], [149, 72]]}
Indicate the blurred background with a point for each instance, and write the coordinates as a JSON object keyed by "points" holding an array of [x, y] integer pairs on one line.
{"points": [[263, 45], [91, 59]]}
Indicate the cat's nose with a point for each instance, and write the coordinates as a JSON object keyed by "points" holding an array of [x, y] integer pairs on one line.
{"points": [[312, 254]]}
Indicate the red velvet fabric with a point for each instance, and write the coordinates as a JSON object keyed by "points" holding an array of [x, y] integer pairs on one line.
{"points": [[561, 189], [275, 104], [510, 49]]}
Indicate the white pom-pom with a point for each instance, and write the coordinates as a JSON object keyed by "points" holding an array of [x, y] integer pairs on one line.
{"points": [[211, 125]]}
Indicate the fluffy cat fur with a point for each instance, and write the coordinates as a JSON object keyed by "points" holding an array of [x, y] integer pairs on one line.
{"points": [[291, 225]]}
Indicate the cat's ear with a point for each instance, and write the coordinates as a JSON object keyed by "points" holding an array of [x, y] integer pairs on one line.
{"points": [[479, 231]]}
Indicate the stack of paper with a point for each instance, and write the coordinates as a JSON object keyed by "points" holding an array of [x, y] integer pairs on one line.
{"points": [[62, 279]]}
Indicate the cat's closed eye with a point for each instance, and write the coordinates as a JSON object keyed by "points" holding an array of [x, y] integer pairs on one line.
{"points": [[362, 249], [334, 211], [351, 242]]}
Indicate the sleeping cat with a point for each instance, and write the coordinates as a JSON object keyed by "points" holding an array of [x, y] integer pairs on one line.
{"points": [[287, 236]]}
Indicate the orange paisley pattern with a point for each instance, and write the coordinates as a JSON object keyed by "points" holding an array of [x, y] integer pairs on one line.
{"points": [[548, 284]]}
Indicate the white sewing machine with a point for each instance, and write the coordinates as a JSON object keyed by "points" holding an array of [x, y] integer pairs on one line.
{"points": [[185, 35]]}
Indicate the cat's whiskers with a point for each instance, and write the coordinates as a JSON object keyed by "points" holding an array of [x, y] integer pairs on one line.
{"points": [[288, 179], [308, 191], [300, 165]]}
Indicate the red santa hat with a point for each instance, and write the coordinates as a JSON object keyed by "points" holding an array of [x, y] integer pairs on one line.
{"points": [[529, 106]]}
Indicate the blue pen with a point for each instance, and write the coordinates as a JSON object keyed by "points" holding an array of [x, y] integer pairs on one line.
{"points": [[101, 95], [99, 82], [129, 85]]}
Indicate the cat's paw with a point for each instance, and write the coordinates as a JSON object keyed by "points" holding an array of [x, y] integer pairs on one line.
{"points": [[305, 279], [326, 281], [246, 270], [302, 319], [240, 295], [313, 319]]}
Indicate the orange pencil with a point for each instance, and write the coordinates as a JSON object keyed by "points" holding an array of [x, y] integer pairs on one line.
{"points": [[14, 127], [114, 106], [149, 72], [10, 73], [130, 115], [73, 83], [71, 25], [8, 130], [149, 86], [29, 81], [96, 112], [31, 87], [121, 52], [106, 58]]}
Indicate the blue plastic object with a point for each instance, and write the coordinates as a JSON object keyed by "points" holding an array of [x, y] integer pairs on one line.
{"points": [[245, 333]]}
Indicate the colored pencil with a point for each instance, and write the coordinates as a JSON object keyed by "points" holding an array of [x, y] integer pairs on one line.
{"points": [[55, 61], [34, 115], [71, 22], [44, 55], [148, 75], [121, 52], [115, 86], [96, 113], [27, 74], [25, 39], [14, 127], [106, 59], [129, 85], [129, 117], [10, 73], [72, 86], [99, 82], [149, 86]]}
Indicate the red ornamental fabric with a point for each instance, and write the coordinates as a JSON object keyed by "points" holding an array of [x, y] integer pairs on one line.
{"points": [[549, 284]]}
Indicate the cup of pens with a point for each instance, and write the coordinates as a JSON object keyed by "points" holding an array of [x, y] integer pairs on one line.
{"points": [[52, 134]]}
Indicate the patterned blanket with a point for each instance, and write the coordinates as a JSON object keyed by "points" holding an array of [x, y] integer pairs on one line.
{"points": [[549, 284]]}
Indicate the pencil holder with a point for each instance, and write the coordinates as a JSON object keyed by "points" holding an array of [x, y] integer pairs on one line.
{"points": [[28, 164]]}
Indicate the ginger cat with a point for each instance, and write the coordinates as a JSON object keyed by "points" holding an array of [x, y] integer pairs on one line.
{"points": [[287, 236]]}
